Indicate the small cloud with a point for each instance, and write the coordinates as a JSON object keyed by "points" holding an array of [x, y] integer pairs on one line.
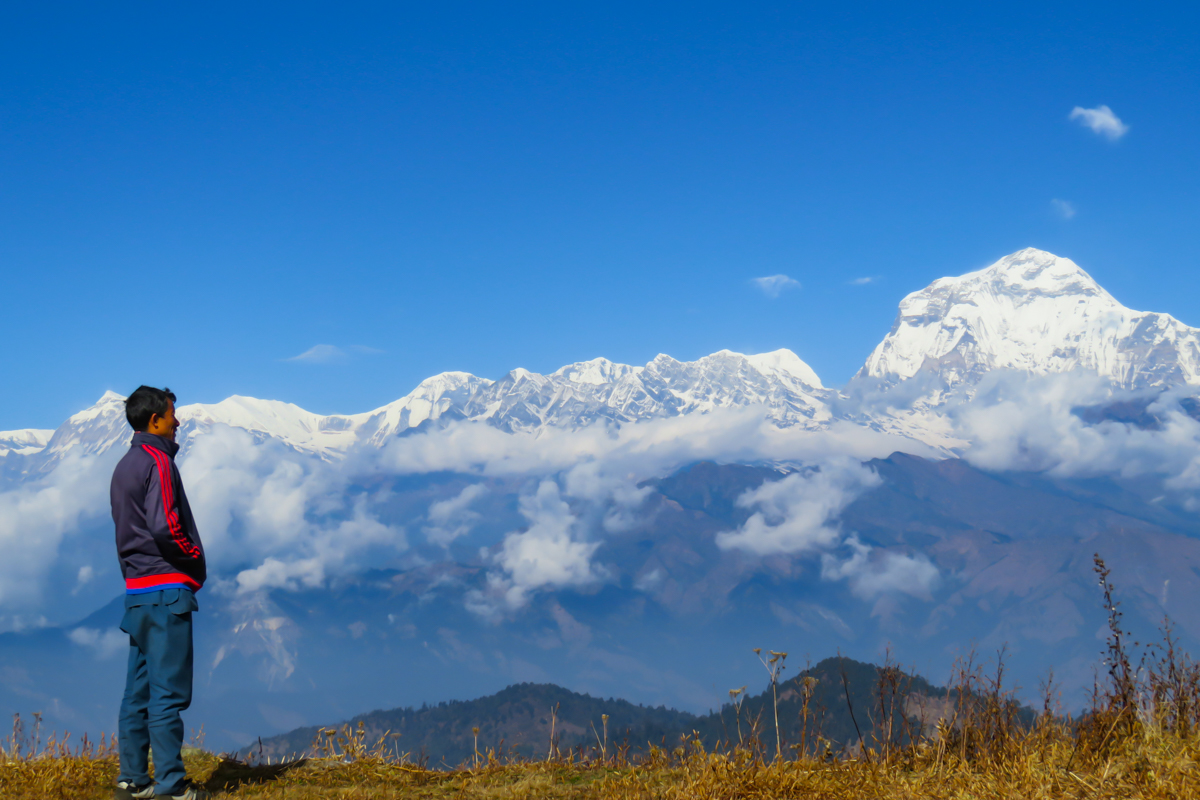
{"points": [[1101, 120], [320, 354], [1063, 208], [105, 644], [451, 518], [863, 281], [332, 354], [774, 285], [86, 573], [872, 572]]}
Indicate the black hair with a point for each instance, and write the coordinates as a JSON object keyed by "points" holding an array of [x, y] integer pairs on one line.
{"points": [[145, 402]]}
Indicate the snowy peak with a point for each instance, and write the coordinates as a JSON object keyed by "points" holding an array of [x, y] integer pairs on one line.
{"points": [[1035, 312], [578, 395], [600, 390], [288, 423], [779, 381], [92, 430], [432, 398], [24, 442], [596, 372], [1028, 273], [785, 364]]}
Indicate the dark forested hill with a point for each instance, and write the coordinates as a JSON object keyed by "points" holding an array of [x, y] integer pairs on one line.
{"points": [[517, 721]]}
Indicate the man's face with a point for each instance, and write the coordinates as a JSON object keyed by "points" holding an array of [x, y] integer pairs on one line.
{"points": [[164, 425]]}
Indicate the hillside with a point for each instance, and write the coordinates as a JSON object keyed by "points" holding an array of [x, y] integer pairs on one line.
{"points": [[517, 721], [519, 716]]}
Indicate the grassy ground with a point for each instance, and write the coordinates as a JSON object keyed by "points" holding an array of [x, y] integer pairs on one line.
{"points": [[1145, 763]]}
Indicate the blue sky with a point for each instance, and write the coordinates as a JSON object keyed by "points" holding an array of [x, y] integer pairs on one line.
{"points": [[192, 197]]}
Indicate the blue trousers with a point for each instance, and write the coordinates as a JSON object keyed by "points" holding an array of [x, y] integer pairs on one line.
{"points": [[158, 687]]}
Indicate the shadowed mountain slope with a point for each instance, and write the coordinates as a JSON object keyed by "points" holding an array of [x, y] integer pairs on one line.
{"points": [[517, 721]]}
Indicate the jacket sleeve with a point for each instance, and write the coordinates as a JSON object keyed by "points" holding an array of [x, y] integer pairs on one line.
{"points": [[162, 517]]}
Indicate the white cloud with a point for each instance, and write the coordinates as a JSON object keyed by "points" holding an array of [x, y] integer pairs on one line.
{"points": [[774, 285], [863, 281], [329, 549], [83, 577], [1063, 208], [451, 518], [549, 553], [1029, 423], [291, 516], [305, 573], [597, 482], [601, 466], [1101, 120], [85, 574], [105, 644], [332, 354], [320, 354], [613, 454], [37, 520], [648, 581], [798, 513], [871, 572], [274, 517]]}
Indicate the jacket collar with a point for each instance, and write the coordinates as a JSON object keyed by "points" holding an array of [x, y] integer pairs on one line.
{"points": [[157, 442]]}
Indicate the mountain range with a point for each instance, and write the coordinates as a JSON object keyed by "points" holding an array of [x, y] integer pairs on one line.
{"points": [[636, 531], [1031, 311]]}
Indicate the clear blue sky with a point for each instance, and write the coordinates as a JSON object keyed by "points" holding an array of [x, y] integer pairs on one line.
{"points": [[190, 197]]}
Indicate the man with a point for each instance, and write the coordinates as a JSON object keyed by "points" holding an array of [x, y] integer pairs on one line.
{"points": [[163, 563]]}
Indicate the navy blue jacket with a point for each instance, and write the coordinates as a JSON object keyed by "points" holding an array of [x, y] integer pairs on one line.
{"points": [[157, 541]]}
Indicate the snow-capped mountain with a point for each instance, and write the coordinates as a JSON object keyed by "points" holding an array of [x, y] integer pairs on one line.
{"points": [[447, 393], [587, 392], [590, 391], [1035, 312], [23, 442], [1030, 311], [574, 396], [90, 432], [270, 419]]}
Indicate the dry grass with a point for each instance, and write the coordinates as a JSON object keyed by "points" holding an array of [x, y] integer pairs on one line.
{"points": [[1150, 765], [1140, 739]]}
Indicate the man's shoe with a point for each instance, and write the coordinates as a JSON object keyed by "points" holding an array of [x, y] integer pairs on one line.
{"points": [[127, 791], [190, 791]]}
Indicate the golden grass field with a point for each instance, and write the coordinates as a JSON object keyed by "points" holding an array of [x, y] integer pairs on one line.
{"points": [[1139, 739], [1045, 764]]}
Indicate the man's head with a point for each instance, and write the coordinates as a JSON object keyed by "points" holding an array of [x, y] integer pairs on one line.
{"points": [[151, 410]]}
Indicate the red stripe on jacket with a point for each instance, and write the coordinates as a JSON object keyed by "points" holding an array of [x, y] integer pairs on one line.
{"points": [[168, 493]]}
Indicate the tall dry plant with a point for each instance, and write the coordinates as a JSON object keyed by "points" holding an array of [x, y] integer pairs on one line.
{"points": [[775, 666]]}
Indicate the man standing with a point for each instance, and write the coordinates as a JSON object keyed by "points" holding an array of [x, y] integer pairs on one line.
{"points": [[163, 563]]}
